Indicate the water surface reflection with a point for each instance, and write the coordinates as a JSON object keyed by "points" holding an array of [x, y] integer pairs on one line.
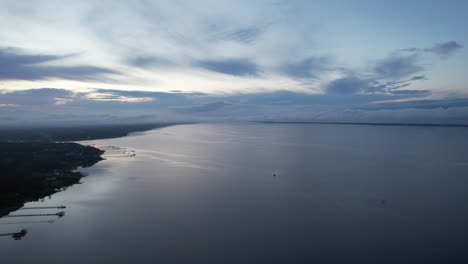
{"points": [[264, 193]]}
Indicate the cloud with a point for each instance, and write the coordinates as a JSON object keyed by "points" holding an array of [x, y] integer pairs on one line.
{"points": [[34, 97], [397, 66], [148, 61], [418, 77], [355, 85], [159, 99], [40, 106], [420, 104], [347, 85], [20, 66], [411, 49], [245, 35], [289, 98], [412, 92], [237, 67], [110, 97], [393, 86], [443, 50], [110, 100], [12, 56], [308, 68]]}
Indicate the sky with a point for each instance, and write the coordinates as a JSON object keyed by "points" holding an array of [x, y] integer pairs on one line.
{"points": [[67, 62]]}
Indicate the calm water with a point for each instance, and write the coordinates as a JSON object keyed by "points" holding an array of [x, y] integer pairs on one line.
{"points": [[206, 193]]}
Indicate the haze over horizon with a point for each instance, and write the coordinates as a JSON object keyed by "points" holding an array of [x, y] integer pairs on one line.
{"points": [[168, 61]]}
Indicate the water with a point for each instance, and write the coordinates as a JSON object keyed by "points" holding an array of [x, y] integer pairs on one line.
{"points": [[206, 193]]}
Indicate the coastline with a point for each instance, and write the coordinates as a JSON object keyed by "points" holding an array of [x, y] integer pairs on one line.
{"points": [[366, 123], [74, 133], [32, 171], [36, 165]]}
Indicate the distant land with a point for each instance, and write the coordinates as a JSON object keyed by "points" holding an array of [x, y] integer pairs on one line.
{"points": [[73, 133], [32, 170], [35, 163], [365, 123]]}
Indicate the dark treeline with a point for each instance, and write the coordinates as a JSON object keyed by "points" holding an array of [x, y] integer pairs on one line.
{"points": [[33, 165], [367, 123], [52, 134], [32, 170]]}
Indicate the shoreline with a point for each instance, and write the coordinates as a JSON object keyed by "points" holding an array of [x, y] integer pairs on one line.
{"points": [[365, 124], [34, 169], [74, 133]]}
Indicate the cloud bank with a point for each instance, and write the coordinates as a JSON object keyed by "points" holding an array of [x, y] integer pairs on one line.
{"points": [[57, 106], [230, 60]]}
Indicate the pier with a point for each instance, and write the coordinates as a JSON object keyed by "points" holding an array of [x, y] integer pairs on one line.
{"points": [[44, 207], [17, 235], [59, 214], [22, 233], [28, 222]]}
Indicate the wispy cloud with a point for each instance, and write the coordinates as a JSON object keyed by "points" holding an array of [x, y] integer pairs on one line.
{"points": [[245, 35], [443, 50], [148, 61], [311, 67], [397, 66], [238, 67]]}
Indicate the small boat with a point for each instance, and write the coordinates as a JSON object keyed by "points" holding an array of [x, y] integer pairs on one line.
{"points": [[20, 234], [60, 214]]}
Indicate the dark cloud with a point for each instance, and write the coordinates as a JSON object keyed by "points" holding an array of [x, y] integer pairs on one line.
{"points": [[387, 87], [418, 77], [412, 92], [44, 96], [11, 56], [237, 67], [356, 85], [347, 85], [420, 104], [307, 68], [393, 86], [288, 98], [444, 50], [148, 62], [19, 66], [397, 66], [411, 49]]}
